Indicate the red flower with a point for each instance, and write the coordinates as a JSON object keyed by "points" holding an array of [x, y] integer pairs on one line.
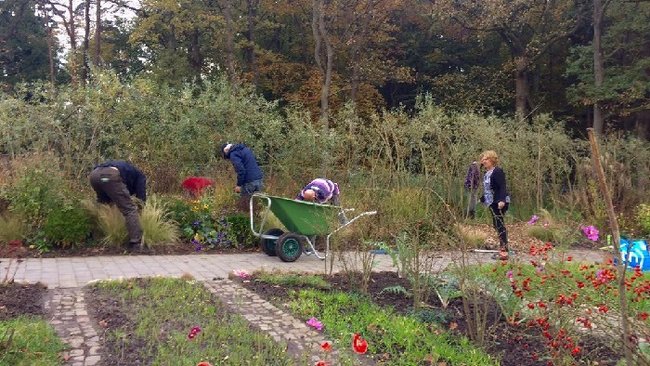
{"points": [[359, 345], [569, 258], [193, 332], [603, 308], [196, 185], [326, 346], [575, 351], [204, 363], [321, 363], [644, 316]]}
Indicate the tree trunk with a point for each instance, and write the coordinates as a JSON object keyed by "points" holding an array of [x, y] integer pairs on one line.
{"points": [[230, 43], [98, 32], [86, 44], [250, 50], [324, 62], [599, 64], [196, 59], [50, 52], [522, 88]]}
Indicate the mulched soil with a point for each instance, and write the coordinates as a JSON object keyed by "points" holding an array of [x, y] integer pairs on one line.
{"points": [[21, 251], [20, 299], [514, 345]]}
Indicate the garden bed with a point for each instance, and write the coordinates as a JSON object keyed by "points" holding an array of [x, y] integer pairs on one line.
{"points": [[144, 325], [512, 345], [7, 251], [21, 300], [25, 337]]}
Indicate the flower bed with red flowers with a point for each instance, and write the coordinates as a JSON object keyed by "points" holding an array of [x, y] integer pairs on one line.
{"points": [[548, 311]]}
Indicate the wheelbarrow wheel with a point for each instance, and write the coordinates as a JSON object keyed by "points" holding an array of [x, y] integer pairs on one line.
{"points": [[289, 247], [268, 245]]}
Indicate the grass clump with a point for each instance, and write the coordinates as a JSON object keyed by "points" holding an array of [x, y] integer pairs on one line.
{"points": [[111, 224], [11, 228], [27, 341], [473, 236], [401, 340], [293, 280], [157, 228], [156, 330]]}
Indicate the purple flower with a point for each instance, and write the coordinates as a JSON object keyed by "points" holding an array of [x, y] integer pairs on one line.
{"points": [[590, 232], [315, 323], [533, 220], [510, 276], [196, 224]]}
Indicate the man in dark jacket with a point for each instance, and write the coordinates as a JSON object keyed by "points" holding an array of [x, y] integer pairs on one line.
{"points": [[249, 174], [115, 181]]}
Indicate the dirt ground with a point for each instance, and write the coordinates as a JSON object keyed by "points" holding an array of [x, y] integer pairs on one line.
{"points": [[514, 345], [18, 299]]}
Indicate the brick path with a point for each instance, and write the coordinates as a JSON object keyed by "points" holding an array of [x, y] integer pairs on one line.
{"points": [[67, 309]]}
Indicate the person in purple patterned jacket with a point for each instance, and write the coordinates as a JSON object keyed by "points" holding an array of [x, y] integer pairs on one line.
{"points": [[320, 190]]}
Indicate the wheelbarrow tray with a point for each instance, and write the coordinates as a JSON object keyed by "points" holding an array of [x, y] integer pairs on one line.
{"points": [[304, 218]]}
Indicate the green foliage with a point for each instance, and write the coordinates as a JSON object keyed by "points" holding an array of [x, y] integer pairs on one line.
{"points": [[404, 338], [67, 226], [37, 188], [153, 302], [545, 234], [396, 290], [112, 225], [12, 227], [293, 280], [643, 217], [237, 229], [29, 342], [157, 228]]}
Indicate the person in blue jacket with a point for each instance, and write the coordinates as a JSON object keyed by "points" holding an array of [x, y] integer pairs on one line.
{"points": [[249, 174], [115, 181]]}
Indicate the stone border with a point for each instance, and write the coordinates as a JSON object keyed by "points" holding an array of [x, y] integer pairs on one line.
{"points": [[68, 315]]}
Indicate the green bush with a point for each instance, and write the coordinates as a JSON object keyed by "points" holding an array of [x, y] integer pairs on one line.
{"points": [[11, 228], [643, 217], [237, 228], [67, 226], [37, 189]]}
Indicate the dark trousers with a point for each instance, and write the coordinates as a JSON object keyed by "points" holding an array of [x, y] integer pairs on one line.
{"points": [[109, 187], [499, 224]]}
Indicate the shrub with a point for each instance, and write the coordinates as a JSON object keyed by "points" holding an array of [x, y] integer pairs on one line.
{"points": [[643, 217], [237, 228], [37, 188], [545, 234], [67, 226], [11, 228]]}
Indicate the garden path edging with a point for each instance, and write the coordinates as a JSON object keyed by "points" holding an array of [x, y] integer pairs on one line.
{"points": [[67, 313]]}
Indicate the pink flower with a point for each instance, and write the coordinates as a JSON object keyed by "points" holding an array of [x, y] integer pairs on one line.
{"points": [[533, 220], [241, 274], [315, 323], [590, 232]]}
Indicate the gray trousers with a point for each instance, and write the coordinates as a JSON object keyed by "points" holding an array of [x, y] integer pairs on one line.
{"points": [[109, 187]]}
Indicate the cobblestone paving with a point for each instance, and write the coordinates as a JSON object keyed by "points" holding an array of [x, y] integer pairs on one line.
{"points": [[67, 314]]}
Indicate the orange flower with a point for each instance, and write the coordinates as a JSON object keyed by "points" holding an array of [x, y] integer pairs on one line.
{"points": [[359, 345], [204, 363], [326, 346]]}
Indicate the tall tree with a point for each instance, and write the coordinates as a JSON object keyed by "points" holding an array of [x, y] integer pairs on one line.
{"points": [[323, 55], [23, 43], [617, 84], [528, 27]]}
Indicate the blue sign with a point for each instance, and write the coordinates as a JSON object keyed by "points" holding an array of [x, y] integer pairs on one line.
{"points": [[636, 251]]}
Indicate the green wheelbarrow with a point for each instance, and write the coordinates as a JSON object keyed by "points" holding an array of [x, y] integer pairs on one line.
{"points": [[303, 220]]}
